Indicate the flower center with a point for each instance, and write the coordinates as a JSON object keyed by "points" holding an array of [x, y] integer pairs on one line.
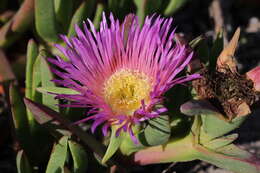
{"points": [[125, 90]]}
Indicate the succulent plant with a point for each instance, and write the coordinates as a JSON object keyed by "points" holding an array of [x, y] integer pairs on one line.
{"points": [[162, 123]]}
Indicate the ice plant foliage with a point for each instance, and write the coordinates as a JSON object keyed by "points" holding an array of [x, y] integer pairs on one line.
{"points": [[121, 78]]}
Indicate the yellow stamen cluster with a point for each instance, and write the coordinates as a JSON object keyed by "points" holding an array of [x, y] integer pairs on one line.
{"points": [[125, 90]]}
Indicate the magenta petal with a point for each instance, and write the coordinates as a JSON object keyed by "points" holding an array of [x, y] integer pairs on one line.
{"points": [[105, 129], [97, 123], [133, 137]]}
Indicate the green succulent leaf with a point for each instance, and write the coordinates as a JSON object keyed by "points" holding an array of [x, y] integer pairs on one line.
{"points": [[36, 79], [56, 90], [98, 15], [47, 76], [18, 109], [198, 107], [156, 132], [173, 6], [58, 156], [213, 122], [79, 157], [140, 10], [23, 17], [45, 20], [231, 158], [195, 42], [6, 72], [85, 10], [29, 135], [6, 39], [214, 127], [22, 163], [22, 129], [63, 13], [120, 8], [146, 7], [176, 150], [49, 122], [127, 146], [113, 146], [215, 51], [44, 114], [221, 141], [19, 23], [203, 51], [32, 53]]}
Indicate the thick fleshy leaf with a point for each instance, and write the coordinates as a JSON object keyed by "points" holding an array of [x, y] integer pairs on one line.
{"points": [[140, 10], [57, 90], [214, 127], [127, 146], [44, 114], [6, 15], [98, 15], [32, 52], [23, 17], [175, 150], [46, 77], [231, 158], [32, 139], [5, 38], [186, 149], [203, 52], [21, 21], [195, 42], [146, 7], [36, 79], [58, 156], [45, 21], [50, 123], [120, 8], [113, 146], [198, 107], [63, 13], [156, 132], [22, 163], [220, 142], [6, 73], [22, 129], [79, 156], [213, 123], [215, 51], [173, 6], [84, 11], [128, 23]]}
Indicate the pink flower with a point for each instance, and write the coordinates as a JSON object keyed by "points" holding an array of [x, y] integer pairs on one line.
{"points": [[121, 73], [254, 75]]}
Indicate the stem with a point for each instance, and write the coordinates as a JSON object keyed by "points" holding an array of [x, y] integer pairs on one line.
{"points": [[174, 151], [240, 161]]}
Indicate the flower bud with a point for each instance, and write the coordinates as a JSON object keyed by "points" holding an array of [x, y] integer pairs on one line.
{"points": [[254, 75]]}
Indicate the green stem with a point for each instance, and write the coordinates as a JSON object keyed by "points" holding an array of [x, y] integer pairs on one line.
{"points": [[175, 151], [238, 162]]}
